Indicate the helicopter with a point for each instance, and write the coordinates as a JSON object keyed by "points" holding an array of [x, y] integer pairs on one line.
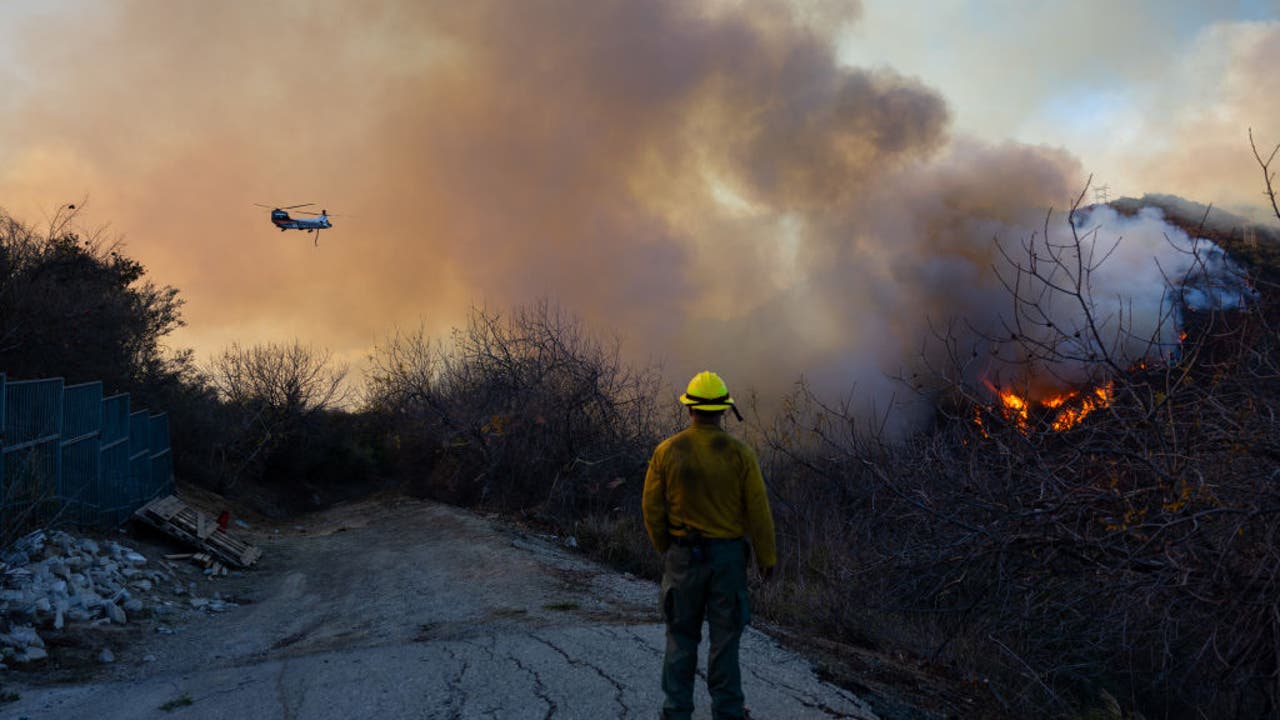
{"points": [[281, 219]]}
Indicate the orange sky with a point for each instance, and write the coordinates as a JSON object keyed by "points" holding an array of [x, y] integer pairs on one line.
{"points": [[709, 181]]}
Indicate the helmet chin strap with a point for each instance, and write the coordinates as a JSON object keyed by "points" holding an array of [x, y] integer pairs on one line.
{"points": [[714, 401]]}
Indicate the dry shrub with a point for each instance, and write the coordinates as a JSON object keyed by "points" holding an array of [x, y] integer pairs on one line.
{"points": [[519, 412], [1132, 554], [619, 539]]}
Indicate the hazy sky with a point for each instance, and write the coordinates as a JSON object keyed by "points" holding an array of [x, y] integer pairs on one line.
{"points": [[1138, 89], [774, 188]]}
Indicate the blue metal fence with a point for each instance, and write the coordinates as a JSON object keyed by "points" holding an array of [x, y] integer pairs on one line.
{"points": [[71, 455], [81, 429]]}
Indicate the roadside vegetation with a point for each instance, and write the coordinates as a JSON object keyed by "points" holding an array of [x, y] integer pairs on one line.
{"points": [[1122, 564]]}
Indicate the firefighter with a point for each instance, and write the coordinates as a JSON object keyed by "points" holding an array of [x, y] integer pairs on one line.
{"points": [[703, 497]]}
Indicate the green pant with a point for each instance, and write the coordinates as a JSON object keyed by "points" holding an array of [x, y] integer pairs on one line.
{"points": [[710, 584]]}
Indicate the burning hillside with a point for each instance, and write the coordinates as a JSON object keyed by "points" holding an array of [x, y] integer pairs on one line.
{"points": [[1097, 507], [1076, 325]]}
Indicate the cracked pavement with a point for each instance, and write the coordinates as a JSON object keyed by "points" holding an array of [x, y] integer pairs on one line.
{"points": [[397, 608]]}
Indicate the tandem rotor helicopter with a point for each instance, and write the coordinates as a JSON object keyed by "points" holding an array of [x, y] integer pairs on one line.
{"points": [[281, 219]]}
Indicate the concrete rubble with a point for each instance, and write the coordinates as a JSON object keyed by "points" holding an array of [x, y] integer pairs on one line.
{"points": [[55, 581]]}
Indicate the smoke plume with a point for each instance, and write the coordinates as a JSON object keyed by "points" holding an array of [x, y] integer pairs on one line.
{"points": [[704, 180]]}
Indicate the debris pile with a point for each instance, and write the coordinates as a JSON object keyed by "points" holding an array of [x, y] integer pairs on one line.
{"points": [[192, 527], [50, 580], [212, 567]]}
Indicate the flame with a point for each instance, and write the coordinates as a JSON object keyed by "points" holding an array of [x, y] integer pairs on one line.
{"points": [[977, 420], [1016, 407], [1071, 415], [1071, 407]]}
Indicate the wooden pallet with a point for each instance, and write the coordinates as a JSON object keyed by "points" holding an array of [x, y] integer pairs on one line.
{"points": [[211, 566], [177, 519]]}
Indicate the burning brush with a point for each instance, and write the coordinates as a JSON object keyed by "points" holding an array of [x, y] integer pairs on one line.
{"points": [[1060, 412]]}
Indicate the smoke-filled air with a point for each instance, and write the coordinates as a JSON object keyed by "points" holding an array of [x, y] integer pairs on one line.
{"points": [[940, 339], [709, 181]]}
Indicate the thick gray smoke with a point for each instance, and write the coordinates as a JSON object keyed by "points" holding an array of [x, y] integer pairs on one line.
{"points": [[1105, 290], [705, 180]]}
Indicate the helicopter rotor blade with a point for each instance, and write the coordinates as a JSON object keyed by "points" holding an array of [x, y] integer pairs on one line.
{"points": [[286, 207]]}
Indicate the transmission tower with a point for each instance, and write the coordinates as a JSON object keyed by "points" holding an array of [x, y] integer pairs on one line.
{"points": [[1102, 194]]}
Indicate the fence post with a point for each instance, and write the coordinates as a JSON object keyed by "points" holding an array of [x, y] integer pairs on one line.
{"points": [[113, 473], [139, 461], [161, 458], [81, 433]]}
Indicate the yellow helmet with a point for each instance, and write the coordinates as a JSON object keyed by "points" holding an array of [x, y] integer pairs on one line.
{"points": [[708, 392]]}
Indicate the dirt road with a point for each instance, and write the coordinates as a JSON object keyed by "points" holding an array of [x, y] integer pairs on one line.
{"points": [[398, 608]]}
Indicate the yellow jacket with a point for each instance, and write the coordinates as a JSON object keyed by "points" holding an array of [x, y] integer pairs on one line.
{"points": [[705, 479]]}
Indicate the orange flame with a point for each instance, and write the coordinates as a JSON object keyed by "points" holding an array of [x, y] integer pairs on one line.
{"points": [[1071, 407], [1071, 416], [1016, 408]]}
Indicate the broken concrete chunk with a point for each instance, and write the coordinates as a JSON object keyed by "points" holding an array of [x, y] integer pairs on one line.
{"points": [[115, 613], [26, 635], [87, 599], [15, 558], [106, 657], [30, 544], [32, 654]]}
